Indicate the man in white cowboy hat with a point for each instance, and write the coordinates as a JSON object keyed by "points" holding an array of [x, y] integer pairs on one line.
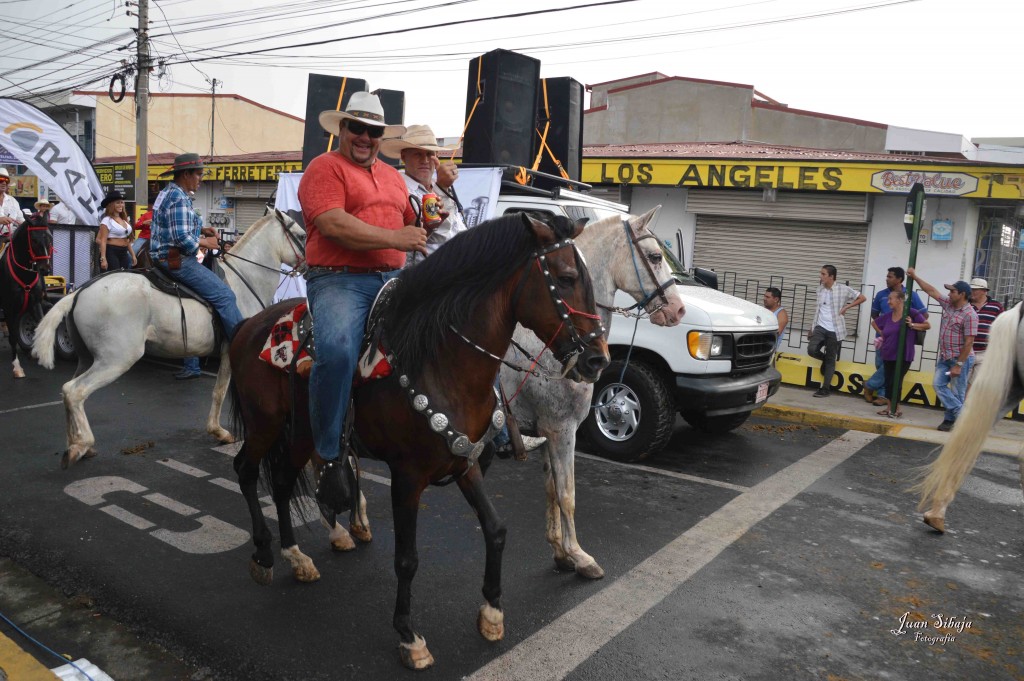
{"points": [[10, 212], [424, 174], [359, 226], [988, 309], [177, 234]]}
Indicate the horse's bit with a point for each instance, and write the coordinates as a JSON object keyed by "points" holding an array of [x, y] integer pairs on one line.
{"points": [[659, 290]]}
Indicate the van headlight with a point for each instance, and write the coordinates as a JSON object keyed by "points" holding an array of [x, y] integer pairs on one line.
{"points": [[706, 345]]}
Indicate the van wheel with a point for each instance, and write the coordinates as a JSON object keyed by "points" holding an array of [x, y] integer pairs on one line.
{"points": [[634, 417], [716, 425], [62, 343], [26, 331]]}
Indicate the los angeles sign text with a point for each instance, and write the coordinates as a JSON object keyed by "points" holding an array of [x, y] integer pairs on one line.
{"points": [[819, 178]]}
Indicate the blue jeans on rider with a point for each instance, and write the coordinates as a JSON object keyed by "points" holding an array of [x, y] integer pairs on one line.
{"points": [[952, 389], [877, 380], [212, 289], [191, 365], [340, 304]]}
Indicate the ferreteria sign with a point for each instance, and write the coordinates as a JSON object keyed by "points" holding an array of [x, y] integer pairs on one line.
{"points": [[871, 178], [241, 172]]}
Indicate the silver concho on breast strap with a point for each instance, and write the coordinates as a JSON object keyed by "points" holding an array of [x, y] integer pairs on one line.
{"points": [[459, 443]]}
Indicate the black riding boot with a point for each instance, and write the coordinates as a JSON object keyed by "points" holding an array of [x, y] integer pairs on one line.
{"points": [[333, 489]]}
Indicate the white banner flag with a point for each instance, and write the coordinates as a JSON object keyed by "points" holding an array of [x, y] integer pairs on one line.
{"points": [[39, 143]]}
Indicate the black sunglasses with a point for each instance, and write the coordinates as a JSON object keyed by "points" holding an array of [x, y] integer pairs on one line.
{"points": [[357, 129]]}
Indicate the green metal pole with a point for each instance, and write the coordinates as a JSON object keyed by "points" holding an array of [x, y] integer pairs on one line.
{"points": [[912, 225]]}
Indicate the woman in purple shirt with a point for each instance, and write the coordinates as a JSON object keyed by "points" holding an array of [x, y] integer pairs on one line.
{"points": [[888, 325]]}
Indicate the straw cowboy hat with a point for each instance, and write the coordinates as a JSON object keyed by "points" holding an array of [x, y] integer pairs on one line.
{"points": [[978, 282], [416, 137], [43, 205], [4, 173], [364, 108], [184, 162]]}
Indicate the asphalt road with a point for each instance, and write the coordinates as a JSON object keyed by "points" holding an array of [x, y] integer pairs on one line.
{"points": [[776, 551]]}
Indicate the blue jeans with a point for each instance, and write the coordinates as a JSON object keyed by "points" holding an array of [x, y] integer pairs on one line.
{"points": [[212, 289], [340, 304], [191, 365], [877, 380], [952, 389]]}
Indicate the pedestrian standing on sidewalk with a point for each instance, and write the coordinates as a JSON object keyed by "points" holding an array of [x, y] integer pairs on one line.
{"points": [[829, 328], [888, 328], [773, 301], [874, 387], [988, 309], [956, 345]]}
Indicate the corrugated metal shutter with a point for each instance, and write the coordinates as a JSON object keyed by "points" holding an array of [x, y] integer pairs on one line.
{"points": [[751, 254], [817, 207], [252, 190], [248, 211]]}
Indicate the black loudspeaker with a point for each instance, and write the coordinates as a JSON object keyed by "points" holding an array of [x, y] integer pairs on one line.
{"points": [[564, 111], [501, 130], [324, 93], [393, 102]]}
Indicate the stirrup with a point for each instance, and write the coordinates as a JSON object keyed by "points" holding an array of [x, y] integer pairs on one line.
{"points": [[332, 488]]}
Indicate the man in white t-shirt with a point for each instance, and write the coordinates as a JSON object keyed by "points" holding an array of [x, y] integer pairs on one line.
{"points": [[829, 329], [11, 214], [61, 214]]}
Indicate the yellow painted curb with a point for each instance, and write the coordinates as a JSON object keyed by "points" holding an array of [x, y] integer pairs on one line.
{"points": [[817, 418], [17, 664]]}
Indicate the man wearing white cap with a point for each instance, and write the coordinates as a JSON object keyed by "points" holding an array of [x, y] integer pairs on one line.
{"points": [[10, 211], [359, 227], [426, 174], [988, 309]]}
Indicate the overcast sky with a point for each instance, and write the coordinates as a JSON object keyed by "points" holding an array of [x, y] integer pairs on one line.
{"points": [[942, 65]]}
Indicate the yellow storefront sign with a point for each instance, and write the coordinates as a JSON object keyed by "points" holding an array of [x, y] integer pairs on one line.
{"points": [[237, 172], [850, 378], [873, 178]]}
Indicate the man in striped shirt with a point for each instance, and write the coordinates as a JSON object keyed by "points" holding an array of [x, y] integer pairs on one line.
{"points": [[988, 309]]}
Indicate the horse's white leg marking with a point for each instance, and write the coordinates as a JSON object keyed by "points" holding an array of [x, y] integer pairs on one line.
{"points": [[360, 529], [16, 365], [491, 623], [341, 540], [563, 470], [220, 390], [302, 566], [415, 655], [553, 516]]}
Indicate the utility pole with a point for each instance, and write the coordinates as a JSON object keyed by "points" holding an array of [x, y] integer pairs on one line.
{"points": [[213, 110], [142, 113]]}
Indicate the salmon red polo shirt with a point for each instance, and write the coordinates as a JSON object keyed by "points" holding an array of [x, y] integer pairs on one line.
{"points": [[376, 195]]}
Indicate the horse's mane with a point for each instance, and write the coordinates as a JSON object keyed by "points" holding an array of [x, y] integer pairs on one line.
{"points": [[445, 289]]}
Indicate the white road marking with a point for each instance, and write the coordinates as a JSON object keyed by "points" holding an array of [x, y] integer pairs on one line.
{"points": [[556, 650], [230, 449], [671, 474], [31, 406], [227, 484], [376, 478], [183, 468], [128, 517], [171, 504]]}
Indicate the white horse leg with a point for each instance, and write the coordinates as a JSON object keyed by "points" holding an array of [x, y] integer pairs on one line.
{"points": [[553, 516], [935, 517], [16, 365], [302, 566], [360, 525], [562, 444], [77, 391], [220, 390]]}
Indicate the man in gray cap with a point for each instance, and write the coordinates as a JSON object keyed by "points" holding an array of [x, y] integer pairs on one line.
{"points": [[956, 345], [359, 227]]}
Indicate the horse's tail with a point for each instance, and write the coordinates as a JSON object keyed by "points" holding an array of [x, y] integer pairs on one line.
{"points": [[985, 403], [46, 331]]}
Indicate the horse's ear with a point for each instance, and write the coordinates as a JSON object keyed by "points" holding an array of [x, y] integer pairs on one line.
{"points": [[541, 231], [578, 226], [639, 223]]}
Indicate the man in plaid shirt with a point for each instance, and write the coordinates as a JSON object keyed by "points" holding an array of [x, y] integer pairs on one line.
{"points": [[177, 234], [956, 345], [829, 328]]}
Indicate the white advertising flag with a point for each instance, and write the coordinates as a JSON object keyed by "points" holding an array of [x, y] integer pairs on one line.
{"points": [[41, 144]]}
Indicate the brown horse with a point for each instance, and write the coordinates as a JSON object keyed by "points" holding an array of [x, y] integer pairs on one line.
{"points": [[24, 265], [450, 321]]}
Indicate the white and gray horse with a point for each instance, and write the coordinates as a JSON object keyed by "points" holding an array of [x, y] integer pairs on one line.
{"points": [[996, 390], [556, 407], [122, 316]]}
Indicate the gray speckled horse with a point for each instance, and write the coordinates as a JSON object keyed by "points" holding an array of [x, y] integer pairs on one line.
{"points": [[556, 406]]}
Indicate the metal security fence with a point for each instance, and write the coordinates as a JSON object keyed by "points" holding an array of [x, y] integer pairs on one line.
{"points": [[73, 253]]}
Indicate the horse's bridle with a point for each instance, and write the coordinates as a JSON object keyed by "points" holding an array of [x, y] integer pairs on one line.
{"points": [[565, 311], [298, 249], [659, 290], [13, 266]]}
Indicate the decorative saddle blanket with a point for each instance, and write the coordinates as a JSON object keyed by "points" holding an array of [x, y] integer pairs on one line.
{"points": [[291, 341]]}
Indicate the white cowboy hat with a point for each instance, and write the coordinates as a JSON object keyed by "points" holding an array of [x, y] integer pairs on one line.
{"points": [[416, 137], [43, 202], [362, 107], [4, 173]]}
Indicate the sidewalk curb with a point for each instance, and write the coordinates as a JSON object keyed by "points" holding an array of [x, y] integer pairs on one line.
{"points": [[810, 417]]}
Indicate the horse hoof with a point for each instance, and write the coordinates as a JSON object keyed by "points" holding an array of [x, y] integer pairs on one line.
{"points": [[261, 575], [592, 571], [90, 453], [306, 574], [361, 532], [415, 655], [491, 623], [342, 543], [938, 524], [226, 438], [565, 564], [19, 373]]}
